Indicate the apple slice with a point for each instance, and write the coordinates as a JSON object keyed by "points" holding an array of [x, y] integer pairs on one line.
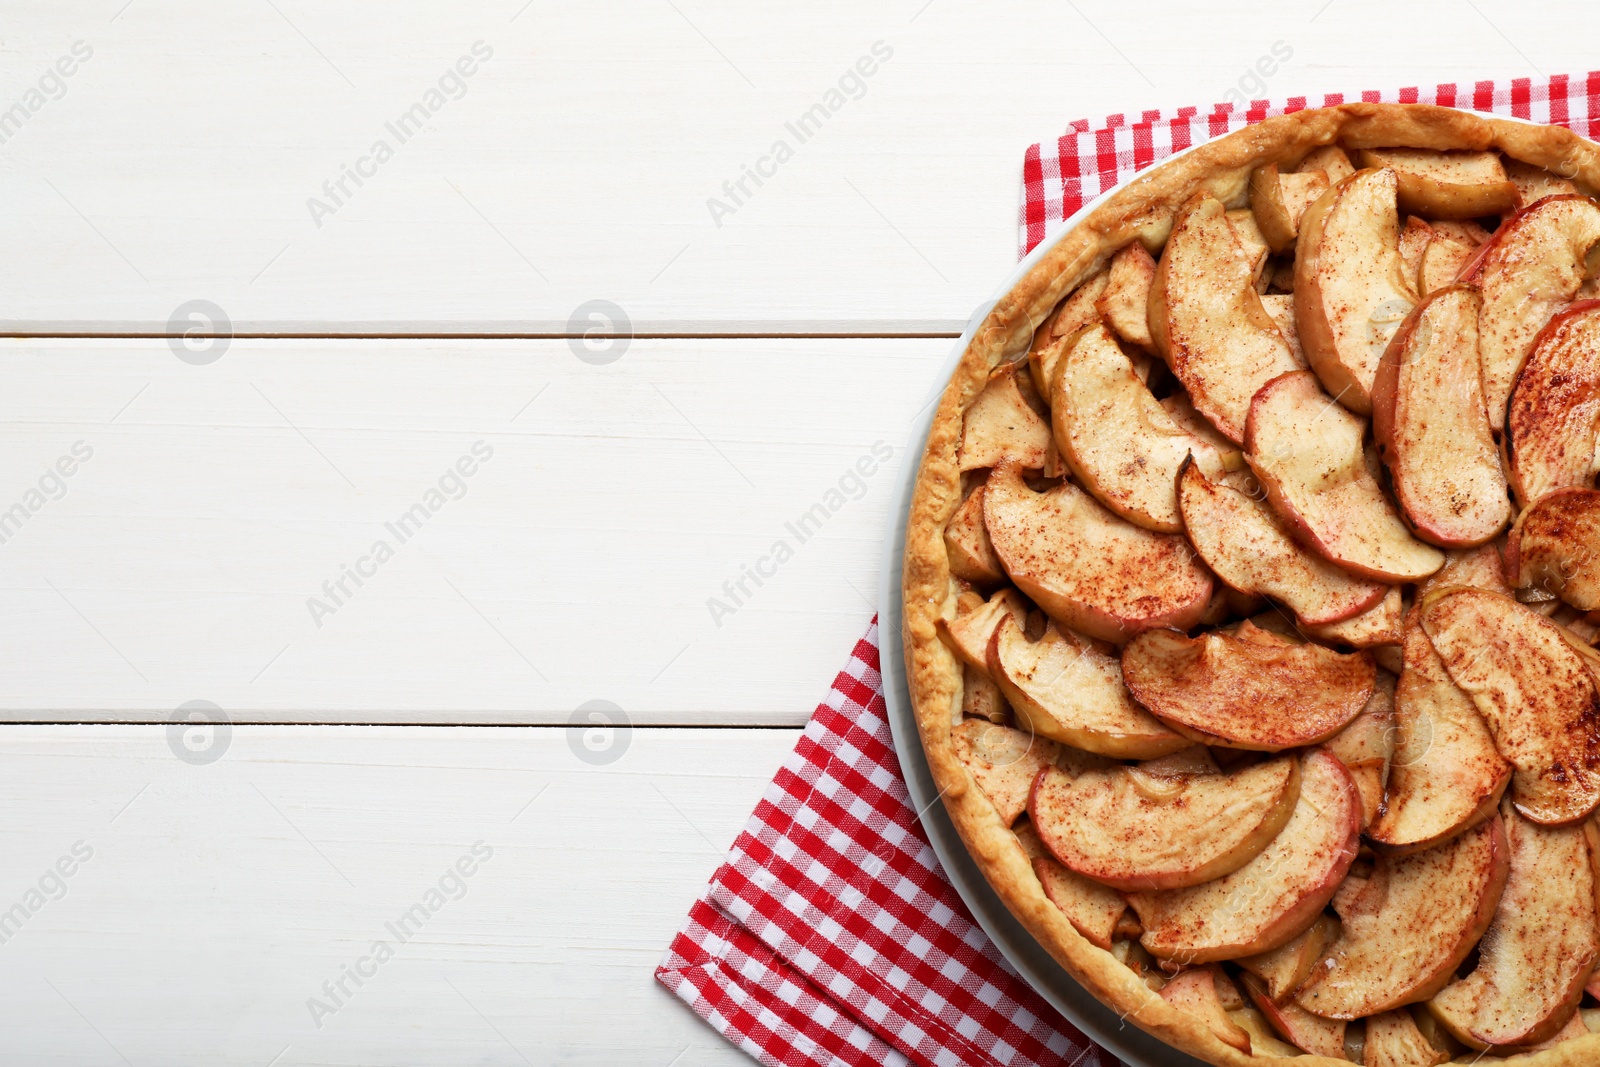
{"points": [[1446, 185], [1534, 691], [1275, 896], [1312, 1033], [1374, 628], [1087, 568], [966, 542], [1540, 949], [1282, 970], [1064, 688], [1280, 306], [1350, 285], [1480, 567], [1119, 441], [1194, 992], [1247, 545], [1415, 236], [1554, 420], [1243, 223], [1442, 262], [1555, 546], [1535, 183], [1529, 270], [1432, 431], [1366, 747], [1280, 199], [967, 635], [1125, 303], [981, 698], [1393, 1040], [1331, 160], [1250, 690], [1307, 453], [1078, 310], [1004, 762], [1146, 827], [1093, 909], [1207, 319], [1000, 424], [1446, 776], [1405, 931]]}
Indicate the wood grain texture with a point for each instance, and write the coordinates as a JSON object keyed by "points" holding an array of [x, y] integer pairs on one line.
{"points": [[187, 557], [218, 899], [580, 158]]}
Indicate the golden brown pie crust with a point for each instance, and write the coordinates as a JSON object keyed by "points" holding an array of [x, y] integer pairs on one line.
{"points": [[1143, 210]]}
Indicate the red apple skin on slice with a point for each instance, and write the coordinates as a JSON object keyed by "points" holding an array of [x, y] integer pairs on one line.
{"points": [[1248, 546], [1093, 909], [1540, 949], [1207, 319], [1004, 762], [1431, 427], [1374, 628], [967, 635], [1554, 420], [1350, 284], [1530, 269], [1534, 691], [1311, 1033], [1275, 896], [1087, 568], [1406, 930], [1133, 828], [1121, 443], [1286, 967], [1366, 747], [1555, 546], [1308, 454], [1446, 185], [1065, 687], [1194, 992], [1446, 776], [1238, 692]]}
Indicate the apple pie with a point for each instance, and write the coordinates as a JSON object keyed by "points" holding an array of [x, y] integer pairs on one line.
{"points": [[1252, 587]]}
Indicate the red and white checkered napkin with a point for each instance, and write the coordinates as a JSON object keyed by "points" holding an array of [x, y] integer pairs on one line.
{"points": [[1059, 178], [830, 935]]}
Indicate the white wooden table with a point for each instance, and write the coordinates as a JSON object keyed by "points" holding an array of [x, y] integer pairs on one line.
{"points": [[201, 161]]}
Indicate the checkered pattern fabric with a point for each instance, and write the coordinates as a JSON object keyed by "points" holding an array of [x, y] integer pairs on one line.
{"points": [[1059, 178], [830, 935]]}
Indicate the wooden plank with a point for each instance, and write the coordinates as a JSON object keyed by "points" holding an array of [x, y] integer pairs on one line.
{"points": [[217, 899], [209, 547], [580, 160]]}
